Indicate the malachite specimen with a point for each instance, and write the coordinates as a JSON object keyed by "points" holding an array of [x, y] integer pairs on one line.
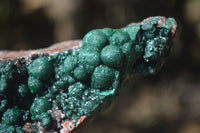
{"points": [[82, 81]]}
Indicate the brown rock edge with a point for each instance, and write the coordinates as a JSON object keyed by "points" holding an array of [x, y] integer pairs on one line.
{"points": [[55, 48], [67, 126]]}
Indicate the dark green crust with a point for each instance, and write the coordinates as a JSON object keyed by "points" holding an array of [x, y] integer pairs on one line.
{"points": [[84, 81]]}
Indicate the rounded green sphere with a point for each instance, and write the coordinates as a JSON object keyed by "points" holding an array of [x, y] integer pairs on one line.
{"points": [[80, 73], [102, 77], [23, 90], [119, 38], [40, 105], [89, 57], [40, 68], [45, 119], [3, 106], [11, 116], [3, 85], [95, 40], [34, 85], [107, 31], [70, 63], [112, 56]]}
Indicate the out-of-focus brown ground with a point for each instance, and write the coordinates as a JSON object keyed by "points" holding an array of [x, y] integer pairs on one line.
{"points": [[168, 102]]}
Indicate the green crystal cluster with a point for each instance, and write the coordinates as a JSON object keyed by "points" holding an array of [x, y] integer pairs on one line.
{"points": [[83, 81]]}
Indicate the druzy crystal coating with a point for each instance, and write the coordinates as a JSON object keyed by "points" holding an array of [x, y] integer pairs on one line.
{"points": [[84, 81]]}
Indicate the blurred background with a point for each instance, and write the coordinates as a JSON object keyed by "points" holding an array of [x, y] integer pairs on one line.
{"points": [[167, 102]]}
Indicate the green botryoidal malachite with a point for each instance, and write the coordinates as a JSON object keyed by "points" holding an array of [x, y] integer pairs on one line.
{"points": [[84, 81]]}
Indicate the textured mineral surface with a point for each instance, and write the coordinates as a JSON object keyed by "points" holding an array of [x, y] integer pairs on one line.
{"points": [[59, 88]]}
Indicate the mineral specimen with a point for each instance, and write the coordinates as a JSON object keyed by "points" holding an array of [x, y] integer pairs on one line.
{"points": [[56, 89]]}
